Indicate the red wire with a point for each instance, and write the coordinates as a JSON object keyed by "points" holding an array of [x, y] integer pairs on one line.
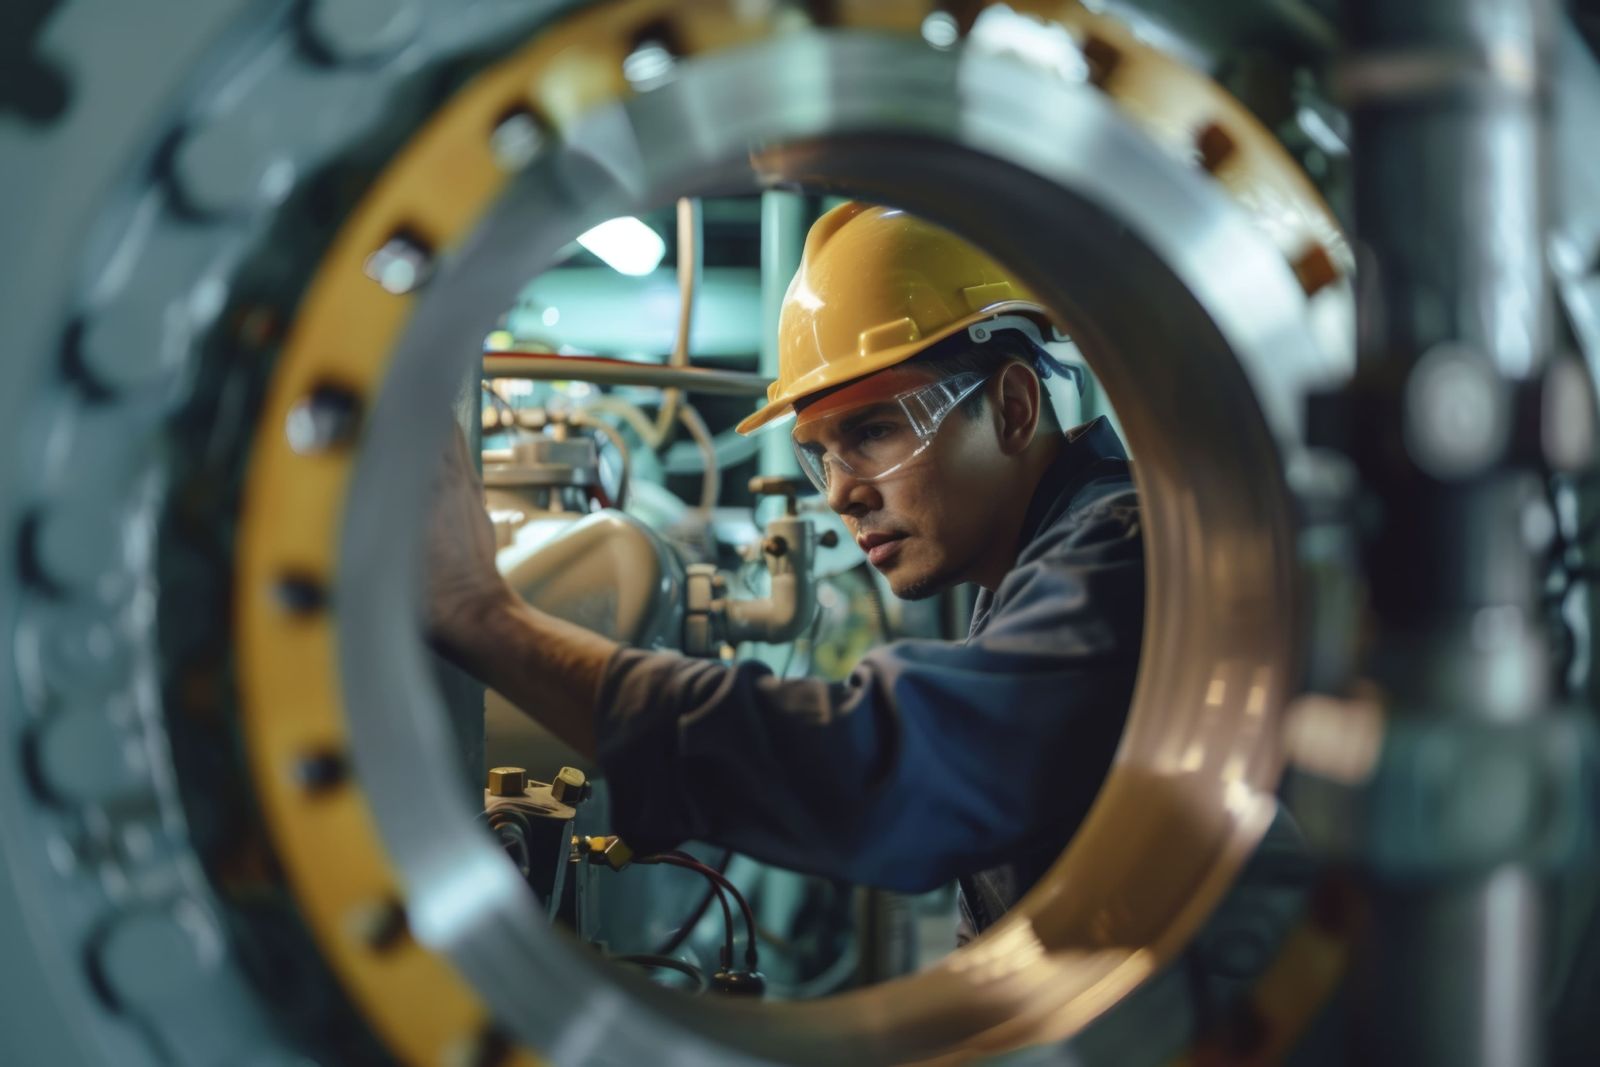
{"points": [[718, 883], [683, 859]]}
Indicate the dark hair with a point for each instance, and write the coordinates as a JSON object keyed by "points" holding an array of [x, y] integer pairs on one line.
{"points": [[960, 354]]}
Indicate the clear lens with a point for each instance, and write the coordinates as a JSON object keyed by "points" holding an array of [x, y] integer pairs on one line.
{"points": [[879, 437]]}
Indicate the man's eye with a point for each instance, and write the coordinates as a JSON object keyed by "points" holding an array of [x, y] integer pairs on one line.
{"points": [[876, 431]]}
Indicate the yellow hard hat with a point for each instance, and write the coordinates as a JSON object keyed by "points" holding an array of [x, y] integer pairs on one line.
{"points": [[875, 287]]}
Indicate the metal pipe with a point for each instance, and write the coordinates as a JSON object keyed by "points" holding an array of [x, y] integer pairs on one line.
{"points": [[690, 259], [1449, 101], [711, 479], [782, 239], [545, 367]]}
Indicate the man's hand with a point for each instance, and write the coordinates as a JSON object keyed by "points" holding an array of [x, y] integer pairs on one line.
{"points": [[463, 586], [549, 668]]}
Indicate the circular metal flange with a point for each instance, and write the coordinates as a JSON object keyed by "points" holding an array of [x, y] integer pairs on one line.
{"points": [[976, 110], [1192, 788]]}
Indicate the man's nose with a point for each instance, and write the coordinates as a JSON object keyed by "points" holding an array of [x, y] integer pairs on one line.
{"points": [[848, 494]]}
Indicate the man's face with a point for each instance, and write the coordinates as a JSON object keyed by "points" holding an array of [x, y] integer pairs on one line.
{"points": [[924, 525]]}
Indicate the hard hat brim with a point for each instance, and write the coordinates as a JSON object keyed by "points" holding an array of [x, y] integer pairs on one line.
{"points": [[779, 406]]}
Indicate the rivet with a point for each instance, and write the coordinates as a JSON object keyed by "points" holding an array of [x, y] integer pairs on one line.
{"points": [[321, 771], [1315, 270], [300, 594], [326, 418], [1103, 58], [516, 139], [402, 264], [378, 924], [1216, 147]]}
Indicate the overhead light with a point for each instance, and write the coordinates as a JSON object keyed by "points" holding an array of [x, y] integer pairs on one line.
{"points": [[551, 316], [626, 245]]}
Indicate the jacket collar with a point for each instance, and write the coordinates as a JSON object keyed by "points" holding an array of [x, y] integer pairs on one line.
{"points": [[1082, 447]]}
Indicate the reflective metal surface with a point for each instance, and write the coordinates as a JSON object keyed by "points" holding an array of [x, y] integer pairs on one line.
{"points": [[1192, 789], [184, 877]]}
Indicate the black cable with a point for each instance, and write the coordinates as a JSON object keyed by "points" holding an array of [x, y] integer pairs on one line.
{"points": [[667, 963], [718, 883], [683, 859], [681, 935]]}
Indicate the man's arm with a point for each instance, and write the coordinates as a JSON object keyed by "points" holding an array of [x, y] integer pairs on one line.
{"points": [[546, 666]]}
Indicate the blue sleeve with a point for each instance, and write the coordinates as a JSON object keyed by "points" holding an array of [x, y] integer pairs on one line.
{"points": [[935, 758]]}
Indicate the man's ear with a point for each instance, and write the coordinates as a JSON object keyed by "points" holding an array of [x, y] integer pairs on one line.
{"points": [[1016, 405]]}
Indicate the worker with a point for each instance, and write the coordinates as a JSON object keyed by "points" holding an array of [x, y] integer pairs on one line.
{"points": [[910, 364]]}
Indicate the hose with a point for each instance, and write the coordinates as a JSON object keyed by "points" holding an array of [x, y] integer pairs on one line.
{"points": [[681, 934], [683, 859], [629, 413], [688, 283], [711, 481]]}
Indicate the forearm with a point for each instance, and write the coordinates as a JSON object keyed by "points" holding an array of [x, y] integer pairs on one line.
{"points": [[547, 667]]}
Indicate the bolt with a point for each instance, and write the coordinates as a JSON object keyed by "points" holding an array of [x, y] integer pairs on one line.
{"points": [[326, 418], [78, 756], [775, 547], [300, 594], [377, 924], [401, 265], [517, 139], [568, 786], [1103, 59], [507, 781], [649, 66], [159, 957], [828, 538], [319, 772], [941, 30], [1456, 422], [1314, 269], [1215, 146], [74, 548], [224, 166]]}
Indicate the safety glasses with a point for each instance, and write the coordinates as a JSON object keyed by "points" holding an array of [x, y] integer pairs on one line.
{"points": [[868, 433]]}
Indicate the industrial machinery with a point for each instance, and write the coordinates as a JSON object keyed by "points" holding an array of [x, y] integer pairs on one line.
{"points": [[1333, 263]]}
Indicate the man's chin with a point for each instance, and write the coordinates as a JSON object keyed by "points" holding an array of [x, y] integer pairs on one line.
{"points": [[917, 587]]}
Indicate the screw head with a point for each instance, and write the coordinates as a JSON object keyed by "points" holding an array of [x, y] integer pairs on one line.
{"points": [[328, 417], [517, 139], [402, 265]]}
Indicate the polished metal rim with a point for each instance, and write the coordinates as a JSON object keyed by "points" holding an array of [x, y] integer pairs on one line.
{"points": [[1198, 327]]}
